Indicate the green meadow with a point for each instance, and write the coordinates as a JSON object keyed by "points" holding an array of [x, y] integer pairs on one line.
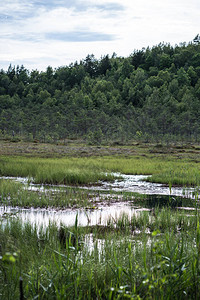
{"points": [[86, 170]]}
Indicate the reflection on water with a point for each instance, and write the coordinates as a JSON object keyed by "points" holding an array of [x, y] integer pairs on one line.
{"points": [[156, 195], [101, 215], [151, 201], [126, 183], [137, 184], [42, 217]]}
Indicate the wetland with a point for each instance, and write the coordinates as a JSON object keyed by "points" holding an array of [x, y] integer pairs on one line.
{"points": [[123, 223]]}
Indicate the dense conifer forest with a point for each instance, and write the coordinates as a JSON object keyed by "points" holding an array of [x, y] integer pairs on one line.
{"points": [[152, 95]]}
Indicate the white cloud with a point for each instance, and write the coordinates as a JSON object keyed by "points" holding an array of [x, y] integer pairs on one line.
{"points": [[38, 34]]}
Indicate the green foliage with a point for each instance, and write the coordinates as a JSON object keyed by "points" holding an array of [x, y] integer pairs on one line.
{"points": [[93, 96]]}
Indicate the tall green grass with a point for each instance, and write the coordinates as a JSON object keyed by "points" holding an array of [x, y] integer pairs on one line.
{"points": [[164, 220], [181, 174], [54, 171], [153, 267], [90, 170]]}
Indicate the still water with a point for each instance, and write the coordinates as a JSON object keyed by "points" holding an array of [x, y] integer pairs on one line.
{"points": [[157, 195], [125, 183]]}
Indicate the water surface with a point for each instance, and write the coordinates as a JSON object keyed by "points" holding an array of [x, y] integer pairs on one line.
{"points": [[156, 195], [125, 183]]}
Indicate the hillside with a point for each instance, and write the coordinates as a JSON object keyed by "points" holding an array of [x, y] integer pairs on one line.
{"points": [[154, 94]]}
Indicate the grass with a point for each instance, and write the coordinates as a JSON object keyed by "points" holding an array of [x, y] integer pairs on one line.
{"points": [[16, 194], [53, 171], [78, 171], [151, 255], [182, 174], [152, 267], [164, 220]]}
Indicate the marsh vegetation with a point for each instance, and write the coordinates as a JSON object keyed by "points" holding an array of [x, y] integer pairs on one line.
{"points": [[149, 250]]}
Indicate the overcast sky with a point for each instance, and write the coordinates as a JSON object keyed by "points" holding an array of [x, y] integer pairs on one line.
{"points": [[57, 32]]}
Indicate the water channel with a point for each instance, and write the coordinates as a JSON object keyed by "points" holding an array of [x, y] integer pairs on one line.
{"points": [[158, 194]]}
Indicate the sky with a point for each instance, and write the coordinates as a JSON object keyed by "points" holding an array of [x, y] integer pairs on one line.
{"points": [[55, 33]]}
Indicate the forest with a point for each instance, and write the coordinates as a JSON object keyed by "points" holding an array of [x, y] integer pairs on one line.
{"points": [[151, 95]]}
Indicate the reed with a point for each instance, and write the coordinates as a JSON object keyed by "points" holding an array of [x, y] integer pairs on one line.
{"points": [[93, 169], [54, 171], [165, 220], [187, 175], [156, 266]]}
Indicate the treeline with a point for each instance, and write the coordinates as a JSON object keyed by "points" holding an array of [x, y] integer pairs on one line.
{"points": [[153, 94]]}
